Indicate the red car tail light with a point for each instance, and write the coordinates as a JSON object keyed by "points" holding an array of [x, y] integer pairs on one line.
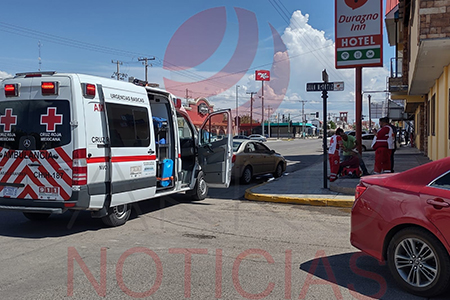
{"points": [[233, 159], [360, 189]]}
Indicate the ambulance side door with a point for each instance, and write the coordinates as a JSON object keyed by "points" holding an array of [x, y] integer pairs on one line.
{"points": [[215, 148], [132, 147]]}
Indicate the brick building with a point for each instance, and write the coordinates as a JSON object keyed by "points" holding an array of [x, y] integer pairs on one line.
{"points": [[420, 72]]}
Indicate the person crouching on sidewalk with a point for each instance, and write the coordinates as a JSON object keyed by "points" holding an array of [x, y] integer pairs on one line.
{"points": [[333, 154], [383, 143]]}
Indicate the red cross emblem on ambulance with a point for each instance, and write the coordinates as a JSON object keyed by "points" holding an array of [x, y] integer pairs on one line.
{"points": [[8, 120], [51, 119]]}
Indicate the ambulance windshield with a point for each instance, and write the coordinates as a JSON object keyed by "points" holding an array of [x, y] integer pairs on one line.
{"points": [[34, 124]]}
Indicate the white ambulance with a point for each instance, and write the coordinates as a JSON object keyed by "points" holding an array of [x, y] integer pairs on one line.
{"points": [[80, 142]]}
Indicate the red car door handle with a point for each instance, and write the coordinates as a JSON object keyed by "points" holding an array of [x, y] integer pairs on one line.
{"points": [[438, 203]]}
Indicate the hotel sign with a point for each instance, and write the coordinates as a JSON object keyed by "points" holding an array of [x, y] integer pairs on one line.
{"points": [[359, 33]]}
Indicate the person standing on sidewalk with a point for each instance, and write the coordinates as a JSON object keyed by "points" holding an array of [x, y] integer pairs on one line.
{"points": [[394, 130], [334, 154], [383, 143]]}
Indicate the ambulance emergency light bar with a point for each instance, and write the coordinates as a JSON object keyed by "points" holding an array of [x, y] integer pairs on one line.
{"points": [[88, 90], [50, 88], [11, 90]]}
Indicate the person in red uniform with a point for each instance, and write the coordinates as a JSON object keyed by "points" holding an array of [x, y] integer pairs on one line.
{"points": [[333, 153], [383, 143]]}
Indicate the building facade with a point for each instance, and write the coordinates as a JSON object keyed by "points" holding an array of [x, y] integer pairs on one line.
{"points": [[420, 71]]}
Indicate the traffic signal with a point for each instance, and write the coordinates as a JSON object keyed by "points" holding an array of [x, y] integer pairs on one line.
{"points": [[317, 114]]}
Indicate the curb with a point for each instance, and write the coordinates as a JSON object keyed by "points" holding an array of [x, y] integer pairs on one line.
{"points": [[342, 189], [345, 201]]}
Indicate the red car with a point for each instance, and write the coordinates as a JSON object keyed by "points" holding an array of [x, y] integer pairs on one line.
{"points": [[404, 219]]}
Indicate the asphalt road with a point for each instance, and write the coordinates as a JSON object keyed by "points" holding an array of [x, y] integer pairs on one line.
{"points": [[213, 249], [299, 154], [219, 248]]}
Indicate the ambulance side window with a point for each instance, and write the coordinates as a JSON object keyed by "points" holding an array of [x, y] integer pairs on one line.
{"points": [[128, 125], [184, 131]]}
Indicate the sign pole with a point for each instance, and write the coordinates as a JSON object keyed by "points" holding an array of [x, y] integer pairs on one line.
{"points": [[325, 133], [262, 105], [358, 105]]}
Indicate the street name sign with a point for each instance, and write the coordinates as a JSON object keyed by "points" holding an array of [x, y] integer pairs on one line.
{"points": [[324, 86]]}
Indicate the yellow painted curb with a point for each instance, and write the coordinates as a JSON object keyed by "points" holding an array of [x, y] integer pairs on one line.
{"points": [[296, 200]]}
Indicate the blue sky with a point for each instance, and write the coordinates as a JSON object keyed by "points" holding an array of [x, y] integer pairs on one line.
{"points": [[84, 36]]}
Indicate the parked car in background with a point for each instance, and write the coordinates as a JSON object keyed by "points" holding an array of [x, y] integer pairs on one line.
{"points": [[241, 137], [366, 141], [403, 219], [258, 137], [353, 132], [252, 158]]}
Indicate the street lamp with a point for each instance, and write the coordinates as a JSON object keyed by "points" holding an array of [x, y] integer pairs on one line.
{"points": [[237, 111]]}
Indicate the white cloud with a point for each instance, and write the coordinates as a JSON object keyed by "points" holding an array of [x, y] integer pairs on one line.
{"points": [[310, 52], [4, 75]]}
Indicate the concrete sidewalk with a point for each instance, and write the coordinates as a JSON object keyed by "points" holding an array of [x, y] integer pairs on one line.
{"points": [[306, 186]]}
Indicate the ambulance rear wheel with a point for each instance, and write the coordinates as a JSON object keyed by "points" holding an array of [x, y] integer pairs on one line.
{"points": [[200, 190], [36, 216], [117, 215]]}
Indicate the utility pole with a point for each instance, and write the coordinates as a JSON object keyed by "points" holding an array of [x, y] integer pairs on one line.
{"points": [[187, 97], [237, 111], [118, 74], [145, 63], [278, 126], [370, 117], [251, 110], [269, 109], [40, 62], [303, 116]]}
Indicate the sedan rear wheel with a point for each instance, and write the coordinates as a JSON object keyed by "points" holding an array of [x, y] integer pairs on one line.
{"points": [[419, 262], [247, 175]]}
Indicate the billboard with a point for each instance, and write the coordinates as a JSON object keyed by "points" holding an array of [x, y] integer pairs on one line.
{"points": [[358, 32], [262, 75]]}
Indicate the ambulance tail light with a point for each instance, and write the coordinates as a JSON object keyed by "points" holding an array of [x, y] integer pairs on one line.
{"points": [[49, 88], [11, 90], [88, 90], [79, 167]]}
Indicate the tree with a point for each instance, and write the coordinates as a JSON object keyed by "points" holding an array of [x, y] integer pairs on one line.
{"points": [[331, 125], [245, 119]]}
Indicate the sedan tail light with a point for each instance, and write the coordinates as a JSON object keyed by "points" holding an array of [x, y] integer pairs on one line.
{"points": [[360, 189]]}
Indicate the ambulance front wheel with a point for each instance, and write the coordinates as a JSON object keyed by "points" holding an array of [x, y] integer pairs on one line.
{"points": [[36, 216], [117, 215], [200, 190]]}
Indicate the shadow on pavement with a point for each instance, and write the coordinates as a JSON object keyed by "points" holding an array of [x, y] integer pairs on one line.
{"points": [[356, 272], [15, 224]]}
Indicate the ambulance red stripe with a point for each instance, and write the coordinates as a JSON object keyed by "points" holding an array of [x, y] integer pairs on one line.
{"points": [[132, 158], [11, 170], [58, 169], [115, 159], [96, 160], [64, 156], [28, 191], [53, 182]]}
